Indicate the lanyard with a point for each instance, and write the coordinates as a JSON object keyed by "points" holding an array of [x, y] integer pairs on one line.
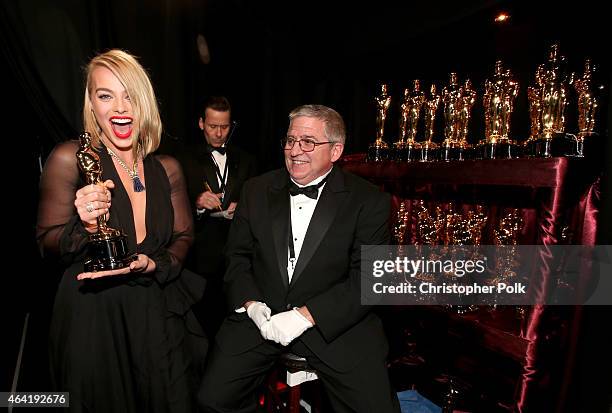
{"points": [[222, 178], [292, 258]]}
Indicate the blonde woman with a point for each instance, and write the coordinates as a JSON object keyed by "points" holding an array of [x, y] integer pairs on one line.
{"points": [[125, 339]]}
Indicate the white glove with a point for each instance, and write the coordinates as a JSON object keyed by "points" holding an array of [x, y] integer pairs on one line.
{"points": [[285, 327], [259, 312]]}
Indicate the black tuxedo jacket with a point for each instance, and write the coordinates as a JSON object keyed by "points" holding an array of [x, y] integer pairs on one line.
{"points": [[211, 233], [350, 213]]}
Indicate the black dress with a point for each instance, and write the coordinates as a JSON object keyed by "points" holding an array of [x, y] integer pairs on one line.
{"points": [[123, 343]]}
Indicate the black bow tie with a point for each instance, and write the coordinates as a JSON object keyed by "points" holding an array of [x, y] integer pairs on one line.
{"points": [[311, 191], [211, 149]]}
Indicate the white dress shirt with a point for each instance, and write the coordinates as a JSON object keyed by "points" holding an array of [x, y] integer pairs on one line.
{"points": [[219, 161], [302, 208]]}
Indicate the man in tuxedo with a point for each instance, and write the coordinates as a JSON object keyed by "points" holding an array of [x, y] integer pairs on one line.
{"points": [[215, 172], [293, 277]]}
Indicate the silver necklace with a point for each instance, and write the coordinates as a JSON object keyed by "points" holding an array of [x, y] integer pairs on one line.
{"points": [[133, 173]]}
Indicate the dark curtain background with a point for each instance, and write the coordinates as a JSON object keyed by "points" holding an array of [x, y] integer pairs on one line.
{"points": [[267, 57]]}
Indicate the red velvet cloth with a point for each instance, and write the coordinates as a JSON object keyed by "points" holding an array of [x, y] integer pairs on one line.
{"points": [[558, 200]]}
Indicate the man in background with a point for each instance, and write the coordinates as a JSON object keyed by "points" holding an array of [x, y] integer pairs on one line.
{"points": [[215, 171]]}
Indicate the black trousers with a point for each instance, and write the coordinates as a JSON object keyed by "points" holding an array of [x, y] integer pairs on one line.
{"points": [[231, 380], [211, 310]]}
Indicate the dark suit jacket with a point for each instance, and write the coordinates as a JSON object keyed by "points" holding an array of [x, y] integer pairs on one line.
{"points": [[211, 233], [350, 213]]}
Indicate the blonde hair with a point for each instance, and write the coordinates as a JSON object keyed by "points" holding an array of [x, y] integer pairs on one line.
{"points": [[142, 98]]}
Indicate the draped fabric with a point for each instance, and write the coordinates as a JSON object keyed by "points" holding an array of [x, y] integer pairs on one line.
{"points": [[557, 200]]}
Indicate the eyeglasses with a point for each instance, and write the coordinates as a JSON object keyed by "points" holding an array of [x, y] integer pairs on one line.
{"points": [[306, 144]]}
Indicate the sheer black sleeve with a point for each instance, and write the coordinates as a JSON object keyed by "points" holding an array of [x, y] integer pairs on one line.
{"points": [[59, 230], [169, 261]]}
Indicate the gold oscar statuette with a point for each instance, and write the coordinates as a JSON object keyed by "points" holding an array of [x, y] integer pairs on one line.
{"points": [[535, 110], [453, 105], [477, 220], [508, 259], [506, 237], [508, 104], [399, 229], [587, 111], [457, 233], [417, 99], [552, 94], [410, 113], [427, 228], [379, 150], [427, 233], [398, 145], [107, 248], [457, 228], [429, 148], [498, 101], [468, 98]]}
